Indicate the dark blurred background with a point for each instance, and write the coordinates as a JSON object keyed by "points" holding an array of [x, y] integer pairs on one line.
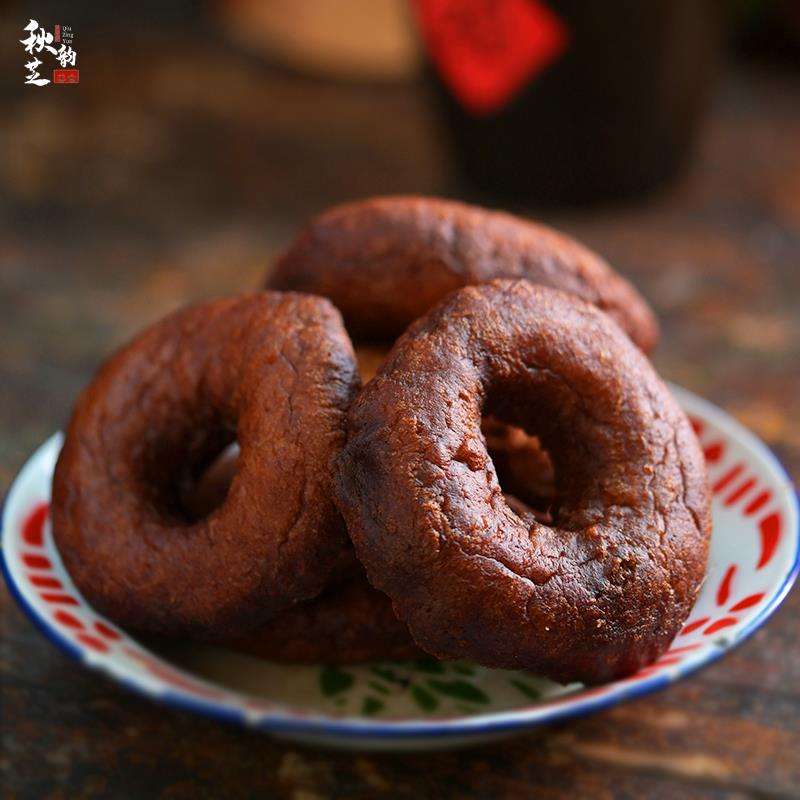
{"points": [[666, 135]]}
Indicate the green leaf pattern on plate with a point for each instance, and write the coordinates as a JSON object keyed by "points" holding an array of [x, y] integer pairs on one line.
{"points": [[333, 680], [428, 687]]}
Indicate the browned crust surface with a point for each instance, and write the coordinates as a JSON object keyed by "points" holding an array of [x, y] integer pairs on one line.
{"points": [[275, 372], [348, 624], [385, 261], [603, 590], [351, 622]]}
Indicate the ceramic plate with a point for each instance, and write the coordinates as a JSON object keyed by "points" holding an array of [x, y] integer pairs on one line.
{"points": [[414, 705]]}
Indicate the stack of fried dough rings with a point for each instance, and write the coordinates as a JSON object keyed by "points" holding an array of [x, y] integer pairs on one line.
{"points": [[356, 522]]}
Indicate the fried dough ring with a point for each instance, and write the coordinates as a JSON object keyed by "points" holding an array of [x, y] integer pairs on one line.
{"points": [[605, 588], [347, 624], [275, 372], [385, 261]]}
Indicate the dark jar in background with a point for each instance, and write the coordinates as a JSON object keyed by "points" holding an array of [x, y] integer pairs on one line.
{"points": [[571, 101]]}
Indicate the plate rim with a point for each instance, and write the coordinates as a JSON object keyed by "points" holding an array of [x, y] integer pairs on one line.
{"points": [[319, 726]]}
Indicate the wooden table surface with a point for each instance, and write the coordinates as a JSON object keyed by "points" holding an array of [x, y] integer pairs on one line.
{"points": [[174, 172]]}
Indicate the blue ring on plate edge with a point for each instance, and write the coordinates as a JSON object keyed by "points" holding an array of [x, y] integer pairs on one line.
{"points": [[345, 728]]}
